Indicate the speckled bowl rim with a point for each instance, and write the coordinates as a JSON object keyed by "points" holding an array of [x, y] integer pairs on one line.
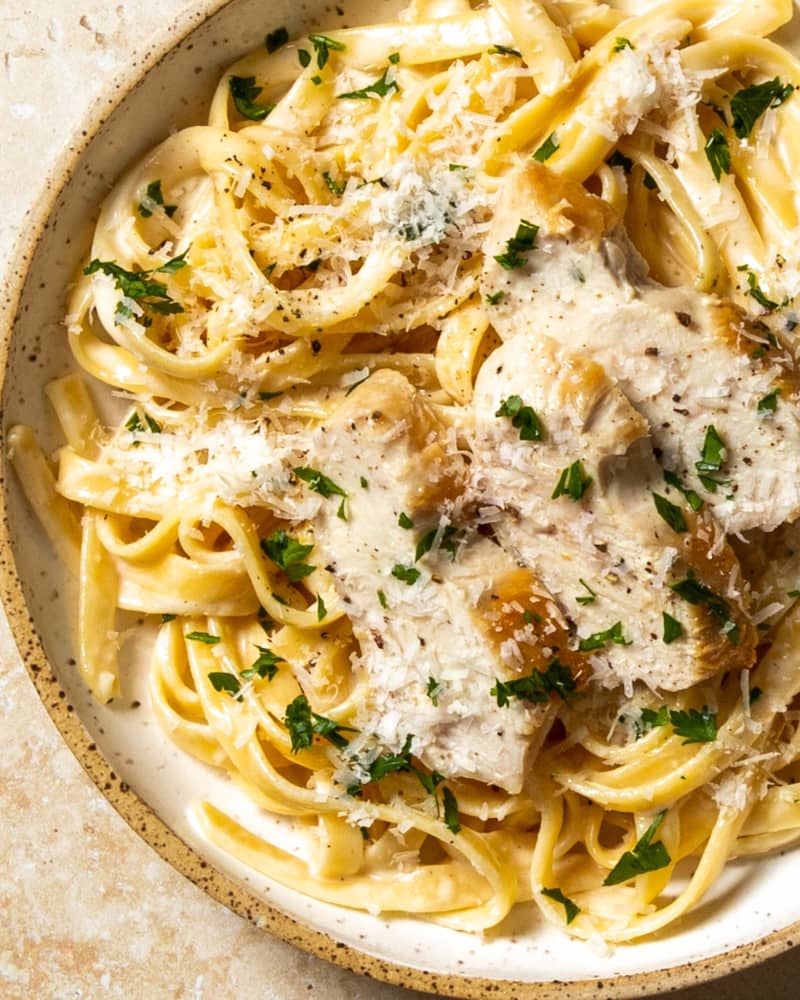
{"points": [[136, 813]]}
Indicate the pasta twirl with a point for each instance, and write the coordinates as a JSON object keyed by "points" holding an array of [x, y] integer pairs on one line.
{"points": [[295, 301]]}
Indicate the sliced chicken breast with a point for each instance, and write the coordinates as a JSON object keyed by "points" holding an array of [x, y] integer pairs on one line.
{"points": [[719, 398], [437, 629], [568, 461]]}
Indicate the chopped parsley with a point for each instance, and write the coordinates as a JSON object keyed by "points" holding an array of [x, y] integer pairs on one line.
{"points": [[221, 681], [598, 639], [303, 725], [711, 458], [322, 611], [750, 103], [572, 909], [589, 598], [304, 57], [405, 521], [694, 500], [394, 58], [621, 43], [288, 554], [769, 403], [718, 153], [694, 592], [672, 514], [572, 483], [364, 482], [433, 690], [276, 39], [266, 665], [696, 727], [168, 618], [408, 574], [494, 298], [208, 639], [524, 418], [504, 50], [390, 763], [380, 88], [151, 295], [537, 686], [519, 244], [452, 167], [382, 599], [547, 148], [324, 486], [755, 291], [450, 811], [645, 857], [448, 542], [672, 628], [323, 46], [155, 196], [244, 92], [135, 426], [334, 186], [651, 719]]}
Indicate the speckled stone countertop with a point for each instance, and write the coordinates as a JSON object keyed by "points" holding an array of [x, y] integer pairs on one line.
{"points": [[88, 909]]}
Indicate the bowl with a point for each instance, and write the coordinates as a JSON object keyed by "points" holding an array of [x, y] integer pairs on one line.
{"points": [[150, 783]]}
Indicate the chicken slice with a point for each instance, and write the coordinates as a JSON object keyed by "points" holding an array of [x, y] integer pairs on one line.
{"points": [[601, 548], [684, 359], [452, 622]]}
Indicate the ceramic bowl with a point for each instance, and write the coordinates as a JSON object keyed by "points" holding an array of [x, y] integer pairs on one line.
{"points": [[748, 915]]}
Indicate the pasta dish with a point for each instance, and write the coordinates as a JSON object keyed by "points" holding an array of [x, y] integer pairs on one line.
{"points": [[438, 407]]}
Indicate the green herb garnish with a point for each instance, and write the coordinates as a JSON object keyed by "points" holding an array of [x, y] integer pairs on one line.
{"points": [[380, 88], [572, 483], [645, 857], [448, 542], [221, 681], [524, 418], [405, 521], [276, 39], [589, 598], [519, 244], [208, 639], [155, 195], [334, 186], [694, 500], [450, 811], [303, 725], [433, 690], [408, 574], [750, 103], [547, 148], [266, 665], [755, 291], [151, 295], [323, 46], [718, 153], [598, 639], [322, 611], [493, 298], [672, 628], [621, 43], [244, 92], [694, 592], [537, 686], [711, 458], [697, 727], [572, 909], [672, 514], [504, 50], [769, 403], [288, 554]]}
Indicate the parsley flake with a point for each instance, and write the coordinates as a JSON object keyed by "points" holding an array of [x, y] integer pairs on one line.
{"points": [[645, 857], [493, 298], [168, 618], [276, 39], [304, 57], [208, 639], [755, 291], [322, 611], [572, 909], [769, 403], [221, 681], [651, 719], [750, 103], [671, 513], [288, 554], [433, 690], [547, 148], [598, 639], [244, 92], [405, 521], [303, 725], [408, 574], [694, 592], [155, 196], [572, 483], [390, 763], [588, 598], [622, 43], [450, 811], [334, 186], [380, 88], [524, 418], [537, 686], [384, 603], [266, 665], [711, 458], [694, 500], [718, 153], [523, 241], [448, 542], [672, 628], [323, 46], [318, 482], [151, 295], [504, 50], [696, 727]]}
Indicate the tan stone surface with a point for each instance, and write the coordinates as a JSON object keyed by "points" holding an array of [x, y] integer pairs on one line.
{"points": [[87, 910]]}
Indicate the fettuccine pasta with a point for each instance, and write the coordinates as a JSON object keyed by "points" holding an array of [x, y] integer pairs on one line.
{"points": [[301, 304]]}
